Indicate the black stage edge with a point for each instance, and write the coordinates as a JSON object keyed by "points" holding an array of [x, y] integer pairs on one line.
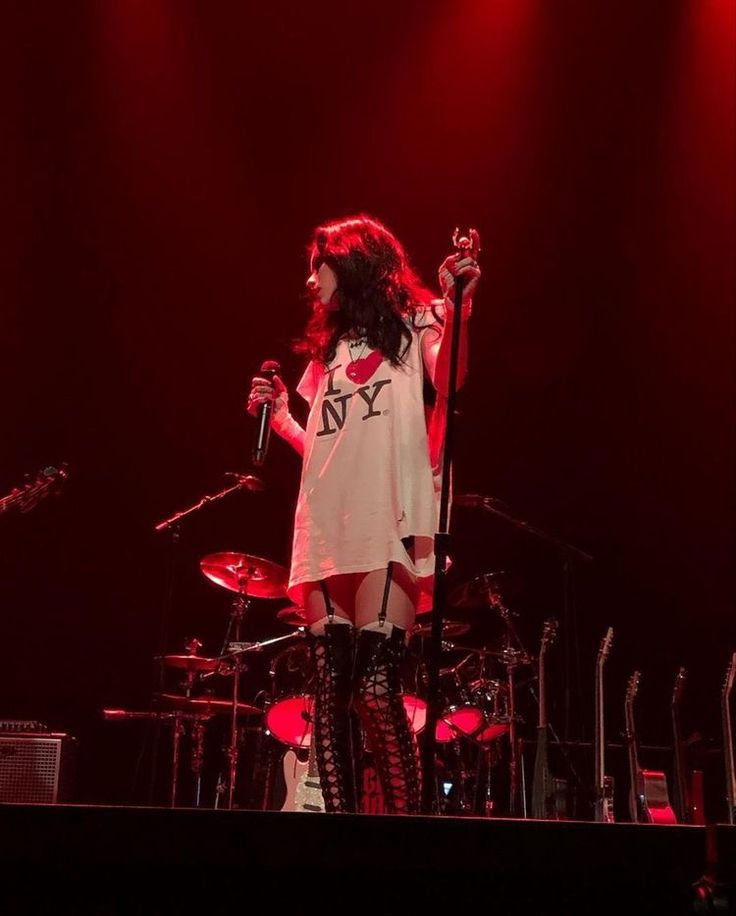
{"points": [[83, 859]]}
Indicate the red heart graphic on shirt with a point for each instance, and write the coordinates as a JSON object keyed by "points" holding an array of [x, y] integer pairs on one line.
{"points": [[363, 369]]}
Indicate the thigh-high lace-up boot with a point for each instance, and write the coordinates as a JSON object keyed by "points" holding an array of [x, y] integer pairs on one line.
{"points": [[379, 701], [336, 730]]}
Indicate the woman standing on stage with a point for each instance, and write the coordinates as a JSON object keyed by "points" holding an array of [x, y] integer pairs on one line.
{"points": [[367, 509]]}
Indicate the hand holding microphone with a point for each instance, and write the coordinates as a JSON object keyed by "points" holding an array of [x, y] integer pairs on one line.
{"points": [[268, 401]]}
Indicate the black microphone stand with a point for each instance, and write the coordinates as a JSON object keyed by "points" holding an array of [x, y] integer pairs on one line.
{"points": [[430, 800]]}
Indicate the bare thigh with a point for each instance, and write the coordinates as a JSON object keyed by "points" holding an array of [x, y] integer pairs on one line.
{"points": [[402, 597], [341, 591]]}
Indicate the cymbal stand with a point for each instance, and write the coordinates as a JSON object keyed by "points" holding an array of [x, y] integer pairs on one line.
{"points": [[236, 649], [241, 603], [178, 729], [512, 657]]}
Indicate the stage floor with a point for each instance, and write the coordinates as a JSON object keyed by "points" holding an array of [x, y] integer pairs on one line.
{"points": [[89, 859]]}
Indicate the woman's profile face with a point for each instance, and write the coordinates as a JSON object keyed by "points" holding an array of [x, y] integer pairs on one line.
{"points": [[323, 283]]}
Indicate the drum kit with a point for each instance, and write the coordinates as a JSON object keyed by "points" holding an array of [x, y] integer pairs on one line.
{"points": [[478, 704]]}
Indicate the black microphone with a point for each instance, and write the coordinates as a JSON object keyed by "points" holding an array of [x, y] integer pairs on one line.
{"points": [[268, 370]]}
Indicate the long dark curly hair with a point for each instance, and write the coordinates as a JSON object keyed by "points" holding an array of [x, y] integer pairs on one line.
{"points": [[378, 291]]}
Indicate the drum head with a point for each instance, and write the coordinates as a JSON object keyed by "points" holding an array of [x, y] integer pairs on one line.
{"points": [[290, 720]]}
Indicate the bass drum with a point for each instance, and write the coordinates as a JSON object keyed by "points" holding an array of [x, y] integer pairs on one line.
{"points": [[289, 719], [461, 716], [290, 707], [492, 698]]}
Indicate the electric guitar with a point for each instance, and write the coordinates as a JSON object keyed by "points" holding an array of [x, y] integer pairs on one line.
{"points": [[648, 799], [728, 739], [303, 790], [603, 783], [24, 498], [688, 785], [543, 787]]}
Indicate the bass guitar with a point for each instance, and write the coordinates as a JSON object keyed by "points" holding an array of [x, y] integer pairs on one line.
{"points": [[603, 783], [728, 757], [648, 799]]}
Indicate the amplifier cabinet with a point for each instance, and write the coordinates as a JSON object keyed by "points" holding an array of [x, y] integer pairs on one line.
{"points": [[36, 768]]}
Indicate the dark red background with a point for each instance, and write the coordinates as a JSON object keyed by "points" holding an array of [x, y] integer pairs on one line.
{"points": [[165, 163]]}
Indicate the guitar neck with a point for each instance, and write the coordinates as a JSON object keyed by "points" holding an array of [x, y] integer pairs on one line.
{"points": [[12, 499], [542, 693], [540, 785], [634, 768], [728, 753], [683, 803], [600, 735], [603, 783]]}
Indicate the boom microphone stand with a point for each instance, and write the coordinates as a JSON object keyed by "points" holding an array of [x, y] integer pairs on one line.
{"points": [[465, 246]]}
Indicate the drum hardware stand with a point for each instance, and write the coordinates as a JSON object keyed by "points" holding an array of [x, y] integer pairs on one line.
{"points": [[235, 649], [524, 812], [511, 659], [241, 604], [486, 756], [177, 719], [197, 758], [172, 524], [568, 553]]}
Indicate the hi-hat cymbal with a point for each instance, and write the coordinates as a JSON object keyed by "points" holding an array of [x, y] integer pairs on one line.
{"points": [[449, 628], [293, 615], [188, 662], [245, 574], [206, 705]]}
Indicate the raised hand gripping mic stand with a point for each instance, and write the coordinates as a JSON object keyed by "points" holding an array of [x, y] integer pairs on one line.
{"points": [[465, 246]]}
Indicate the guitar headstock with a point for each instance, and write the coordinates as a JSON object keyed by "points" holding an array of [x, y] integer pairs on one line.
{"points": [[632, 687], [605, 645], [549, 633], [47, 480], [680, 679], [25, 497]]}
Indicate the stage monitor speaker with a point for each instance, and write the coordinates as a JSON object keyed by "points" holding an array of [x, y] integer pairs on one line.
{"points": [[36, 768]]}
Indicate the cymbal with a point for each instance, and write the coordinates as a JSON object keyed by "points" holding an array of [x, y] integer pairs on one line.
{"points": [[207, 705], [245, 574], [188, 662], [293, 615], [449, 628], [483, 590]]}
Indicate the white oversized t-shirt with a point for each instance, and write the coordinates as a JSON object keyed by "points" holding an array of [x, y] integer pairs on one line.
{"points": [[367, 479]]}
